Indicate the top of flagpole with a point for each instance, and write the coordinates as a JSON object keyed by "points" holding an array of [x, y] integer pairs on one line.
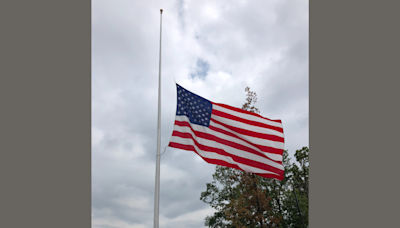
{"points": [[161, 11]]}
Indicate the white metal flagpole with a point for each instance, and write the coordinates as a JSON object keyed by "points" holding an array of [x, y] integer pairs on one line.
{"points": [[157, 187]]}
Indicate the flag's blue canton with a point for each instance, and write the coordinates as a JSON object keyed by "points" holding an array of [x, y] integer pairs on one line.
{"points": [[196, 108]]}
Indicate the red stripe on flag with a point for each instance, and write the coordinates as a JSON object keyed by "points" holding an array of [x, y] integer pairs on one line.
{"points": [[224, 141], [224, 163], [220, 162], [262, 148]]}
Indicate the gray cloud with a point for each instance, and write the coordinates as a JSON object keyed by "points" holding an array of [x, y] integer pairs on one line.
{"points": [[225, 47]]}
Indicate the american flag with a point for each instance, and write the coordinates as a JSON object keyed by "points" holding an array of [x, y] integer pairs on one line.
{"points": [[228, 136]]}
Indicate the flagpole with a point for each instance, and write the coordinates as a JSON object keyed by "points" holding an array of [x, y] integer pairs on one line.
{"points": [[157, 185]]}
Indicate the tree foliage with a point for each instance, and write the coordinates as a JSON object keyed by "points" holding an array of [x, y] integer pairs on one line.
{"points": [[242, 199]]}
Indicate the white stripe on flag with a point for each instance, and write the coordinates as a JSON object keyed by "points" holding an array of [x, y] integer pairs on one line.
{"points": [[246, 116], [254, 140], [246, 126]]}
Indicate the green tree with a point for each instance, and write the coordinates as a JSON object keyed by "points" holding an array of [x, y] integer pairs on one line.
{"points": [[218, 195], [300, 173], [297, 176], [276, 189], [243, 199], [291, 217]]}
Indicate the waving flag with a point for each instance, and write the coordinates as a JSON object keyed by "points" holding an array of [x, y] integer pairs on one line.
{"points": [[228, 136]]}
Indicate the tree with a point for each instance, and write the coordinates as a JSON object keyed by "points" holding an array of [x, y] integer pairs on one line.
{"points": [[300, 174], [298, 177], [243, 199], [218, 198], [251, 100], [276, 189]]}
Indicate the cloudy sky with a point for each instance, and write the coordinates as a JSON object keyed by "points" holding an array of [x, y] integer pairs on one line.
{"points": [[212, 48]]}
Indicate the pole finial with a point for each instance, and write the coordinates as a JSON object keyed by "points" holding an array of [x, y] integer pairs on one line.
{"points": [[161, 11]]}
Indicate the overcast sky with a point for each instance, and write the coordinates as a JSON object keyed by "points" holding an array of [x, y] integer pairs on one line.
{"points": [[212, 48]]}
